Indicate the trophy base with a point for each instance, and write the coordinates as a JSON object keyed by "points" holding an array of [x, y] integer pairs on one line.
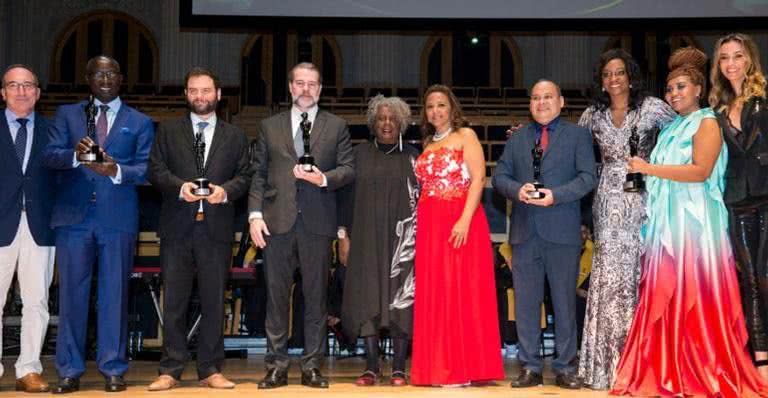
{"points": [[90, 158], [307, 162], [203, 187], [536, 195], [634, 183]]}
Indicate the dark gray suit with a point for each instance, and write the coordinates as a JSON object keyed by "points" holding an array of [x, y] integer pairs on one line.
{"points": [[301, 218], [546, 240]]}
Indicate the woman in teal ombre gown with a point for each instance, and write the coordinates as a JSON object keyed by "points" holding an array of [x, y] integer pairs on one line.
{"points": [[688, 335]]}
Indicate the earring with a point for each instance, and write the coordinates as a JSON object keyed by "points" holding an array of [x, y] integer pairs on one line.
{"points": [[603, 88], [630, 86]]}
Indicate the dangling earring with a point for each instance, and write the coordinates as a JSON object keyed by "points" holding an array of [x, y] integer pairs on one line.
{"points": [[603, 88], [400, 141]]}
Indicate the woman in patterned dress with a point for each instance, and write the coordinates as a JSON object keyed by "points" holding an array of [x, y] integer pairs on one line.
{"points": [[619, 110], [455, 324]]}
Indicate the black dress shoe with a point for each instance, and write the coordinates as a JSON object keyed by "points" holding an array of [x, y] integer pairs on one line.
{"points": [[313, 378], [114, 384], [569, 381], [274, 378], [66, 385], [527, 378]]}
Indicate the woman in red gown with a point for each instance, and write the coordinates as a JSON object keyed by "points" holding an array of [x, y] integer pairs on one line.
{"points": [[455, 332]]}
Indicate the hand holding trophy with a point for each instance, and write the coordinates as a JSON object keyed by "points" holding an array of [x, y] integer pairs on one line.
{"points": [[88, 150], [634, 181], [307, 161], [203, 184], [537, 152]]}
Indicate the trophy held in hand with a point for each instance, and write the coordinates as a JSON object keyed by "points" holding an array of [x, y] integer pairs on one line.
{"points": [[203, 184], [94, 154], [307, 161], [537, 152], [634, 181]]}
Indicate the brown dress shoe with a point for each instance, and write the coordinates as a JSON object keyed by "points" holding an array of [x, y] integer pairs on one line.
{"points": [[217, 380], [32, 382], [162, 383]]}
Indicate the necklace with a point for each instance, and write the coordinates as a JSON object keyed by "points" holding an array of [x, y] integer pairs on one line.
{"points": [[376, 144], [441, 136]]}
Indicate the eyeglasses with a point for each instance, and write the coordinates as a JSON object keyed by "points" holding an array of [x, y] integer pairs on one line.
{"points": [[20, 85], [109, 75], [618, 73]]}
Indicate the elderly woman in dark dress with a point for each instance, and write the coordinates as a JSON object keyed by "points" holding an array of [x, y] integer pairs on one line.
{"points": [[378, 212]]}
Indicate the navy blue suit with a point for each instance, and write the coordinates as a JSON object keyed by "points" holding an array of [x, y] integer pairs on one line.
{"points": [[546, 240], [96, 218], [35, 188]]}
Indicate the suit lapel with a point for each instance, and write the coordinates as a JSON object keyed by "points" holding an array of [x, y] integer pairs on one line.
{"points": [[754, 129], [218, 138], [187, 134], [287, 135], [119, 123], [554, 136], [41, 129], [317, 129], [79, 134], [7, 141]]}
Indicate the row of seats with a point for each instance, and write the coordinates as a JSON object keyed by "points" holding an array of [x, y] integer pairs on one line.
{"points": [[139, 89], [466, 95]]}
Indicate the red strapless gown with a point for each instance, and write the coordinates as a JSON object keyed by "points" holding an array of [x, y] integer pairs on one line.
{"points": [[455, 330]]}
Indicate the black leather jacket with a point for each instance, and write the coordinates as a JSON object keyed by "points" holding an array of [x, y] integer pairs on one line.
{"points": [[747, 173]]}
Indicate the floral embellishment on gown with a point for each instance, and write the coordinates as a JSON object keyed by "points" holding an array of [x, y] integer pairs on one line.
{"points": [[443, 173]]}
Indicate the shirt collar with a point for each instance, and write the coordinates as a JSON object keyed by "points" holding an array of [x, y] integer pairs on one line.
{"points": [[196, 119], [11, 117], [551, 126], [311, 113], [113, 105]]}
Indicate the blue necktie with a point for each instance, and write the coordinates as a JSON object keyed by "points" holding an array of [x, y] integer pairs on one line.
{"points": [[21, 139]]}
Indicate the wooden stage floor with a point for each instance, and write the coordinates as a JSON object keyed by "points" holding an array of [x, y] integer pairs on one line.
{"points": [[247, 372]]}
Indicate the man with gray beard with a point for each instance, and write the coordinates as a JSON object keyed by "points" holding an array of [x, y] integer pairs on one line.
{"points": [[293, 218]]}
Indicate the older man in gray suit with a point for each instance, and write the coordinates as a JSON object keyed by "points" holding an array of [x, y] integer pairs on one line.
{"points": [[293, 217], [545, 232]]}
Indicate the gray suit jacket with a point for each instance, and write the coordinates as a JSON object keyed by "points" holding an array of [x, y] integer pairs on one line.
{"points": [[567, 168], [279, 195]]}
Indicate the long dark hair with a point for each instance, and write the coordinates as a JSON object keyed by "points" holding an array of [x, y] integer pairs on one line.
{"points": [[600, 98], [457, 116]]}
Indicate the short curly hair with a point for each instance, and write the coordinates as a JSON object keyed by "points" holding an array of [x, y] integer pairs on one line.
{"points": [[399, 108]]}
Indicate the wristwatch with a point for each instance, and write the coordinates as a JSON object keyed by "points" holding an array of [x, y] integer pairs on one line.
{"points": [[341, 233]]}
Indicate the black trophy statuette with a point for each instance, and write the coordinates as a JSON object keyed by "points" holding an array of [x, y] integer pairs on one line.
{"points": [[203, 187], [537, 153], [307, 161], [93, 155], [634, 182]]}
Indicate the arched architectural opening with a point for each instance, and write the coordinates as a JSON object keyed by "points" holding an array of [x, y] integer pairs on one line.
{"points": [[471, 59], [267, 57], [112, 33]]}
